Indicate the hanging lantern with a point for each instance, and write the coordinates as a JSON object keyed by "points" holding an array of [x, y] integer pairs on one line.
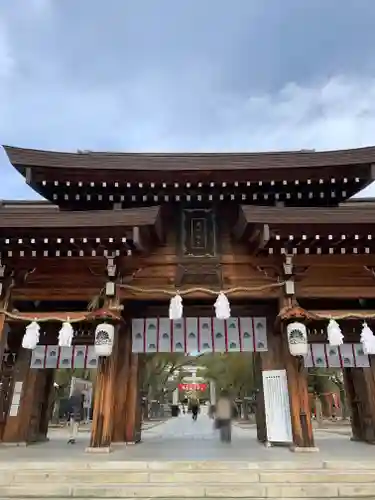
{"points": [[176, 307], [66, 334], [334, 333], [31, 338], [104, 339], [297, 339], [367, 339], [222, 306]]}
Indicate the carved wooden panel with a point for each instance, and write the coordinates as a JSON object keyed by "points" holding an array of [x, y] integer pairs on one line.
{"points": [[198, 235], [199, 274]]}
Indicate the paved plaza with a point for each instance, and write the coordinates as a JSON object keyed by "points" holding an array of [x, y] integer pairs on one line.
{"points": [[183, 439]]}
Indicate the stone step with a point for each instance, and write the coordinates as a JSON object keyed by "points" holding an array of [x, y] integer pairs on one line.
{"points": [[184, 466], [244, 477], [187, 480], [195, 490]]}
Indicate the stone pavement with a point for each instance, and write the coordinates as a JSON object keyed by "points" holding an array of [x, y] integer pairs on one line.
{"points": [[182, 439]]}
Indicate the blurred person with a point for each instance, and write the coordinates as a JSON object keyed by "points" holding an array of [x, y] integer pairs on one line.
{"points": [[223, 414], [194, 409], [75, 412]]}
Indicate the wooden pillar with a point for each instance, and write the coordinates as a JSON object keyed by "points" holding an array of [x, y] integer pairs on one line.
{"points": [[360, 390], [27, 420], [104, 400], [278, 357], [302, 430], [5, 292], [134, 399], [303, 436], [6, 377], [121, 384]]}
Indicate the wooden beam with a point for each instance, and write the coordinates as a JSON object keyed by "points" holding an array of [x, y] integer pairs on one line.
{"points": [[346, 313], [159, 228], [240, 227], [60, 316], [137, 239], [28, 175], [4, 303], [260, 238]]}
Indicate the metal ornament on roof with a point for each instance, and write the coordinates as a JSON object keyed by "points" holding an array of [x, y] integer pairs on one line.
{"points": [[297, 338]]}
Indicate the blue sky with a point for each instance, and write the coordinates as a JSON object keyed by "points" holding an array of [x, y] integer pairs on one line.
{"points": [[185, 75]]}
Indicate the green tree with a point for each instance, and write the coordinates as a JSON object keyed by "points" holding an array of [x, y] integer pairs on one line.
{"points": [[159, 369], [230, 371]]}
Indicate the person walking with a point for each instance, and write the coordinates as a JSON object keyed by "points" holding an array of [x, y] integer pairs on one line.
{"points": [[195, 409], [223, 414], [75, 412]]}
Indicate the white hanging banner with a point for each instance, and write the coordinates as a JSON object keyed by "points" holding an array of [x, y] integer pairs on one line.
{"points": [[205, 333], [66, 357], [91, 357], [38, 357], [199, 334], [334, 357], [343, 356], [260, 333], [179, 337], [234, 338], [152, 335], [246, 326], [52, 356], [220, 334], [138, 335], [192, 335], [165, 335], [80, 356]]}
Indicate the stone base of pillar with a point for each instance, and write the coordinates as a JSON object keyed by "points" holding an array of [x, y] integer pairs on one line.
{"points": [[300, 449], [104, 449], [21, 444], [358, 440]]}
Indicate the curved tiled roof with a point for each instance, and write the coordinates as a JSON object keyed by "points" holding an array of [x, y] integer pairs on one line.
{"points": [[347, 213], [44, 215], [21, 157]]}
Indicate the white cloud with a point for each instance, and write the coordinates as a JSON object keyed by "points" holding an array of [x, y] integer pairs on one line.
{"points": [[7, 62], [66, 85], [338, 113]]}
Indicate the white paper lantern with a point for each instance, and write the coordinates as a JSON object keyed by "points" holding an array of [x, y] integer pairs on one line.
{"points": [[297, 339], [104, 339]]}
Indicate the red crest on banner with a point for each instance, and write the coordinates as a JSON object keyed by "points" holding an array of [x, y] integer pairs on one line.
{"points": [[192, 387]]}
